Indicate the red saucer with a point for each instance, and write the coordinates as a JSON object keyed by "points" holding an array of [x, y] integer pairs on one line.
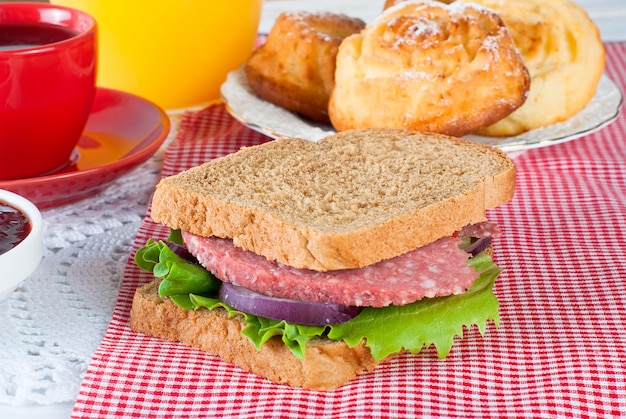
{"points": [[122, 132]]}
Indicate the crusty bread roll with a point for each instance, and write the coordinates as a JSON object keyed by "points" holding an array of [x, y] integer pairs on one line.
{"points": [[347, 201], [428, 66], [563, 52], [295, 68]]}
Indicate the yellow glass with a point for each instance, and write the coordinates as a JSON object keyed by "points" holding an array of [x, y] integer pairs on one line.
{"points": [[174, 53]]}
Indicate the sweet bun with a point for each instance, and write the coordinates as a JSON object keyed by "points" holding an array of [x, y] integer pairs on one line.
{"points": [[428, 66], [295, 67], [391, 3], [563, 52]]}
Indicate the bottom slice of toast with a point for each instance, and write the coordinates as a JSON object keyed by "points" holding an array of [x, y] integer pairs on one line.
{"points": [[327, 364]]}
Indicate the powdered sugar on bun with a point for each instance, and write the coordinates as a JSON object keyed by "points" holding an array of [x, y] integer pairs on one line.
{"points": [[428, 66]]}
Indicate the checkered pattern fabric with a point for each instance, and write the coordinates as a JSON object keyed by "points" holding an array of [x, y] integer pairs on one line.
{"points": [[560, 350]]}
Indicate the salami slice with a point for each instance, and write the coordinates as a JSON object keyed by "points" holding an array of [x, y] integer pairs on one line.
{"points": [[479, 230], [437, 269]]}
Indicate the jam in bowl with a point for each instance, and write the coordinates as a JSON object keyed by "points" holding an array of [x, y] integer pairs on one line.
{"points": [[21, 240], [14, 227]]}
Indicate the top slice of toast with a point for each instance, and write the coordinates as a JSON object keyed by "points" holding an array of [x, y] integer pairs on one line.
{"points": [[347, 201]]}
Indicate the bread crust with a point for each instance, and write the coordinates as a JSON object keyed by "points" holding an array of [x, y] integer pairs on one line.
{"points": [[348, 201], [295, 68], [327, 365], [428, 66]]}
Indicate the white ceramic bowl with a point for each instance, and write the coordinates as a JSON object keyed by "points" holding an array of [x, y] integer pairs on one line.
{"points": [[21, 261]]}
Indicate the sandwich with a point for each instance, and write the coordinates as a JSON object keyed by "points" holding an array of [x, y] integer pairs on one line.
{"points": [[309, 263]]}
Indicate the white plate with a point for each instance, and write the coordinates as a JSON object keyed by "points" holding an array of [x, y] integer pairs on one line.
{"points": [[275, 121]]}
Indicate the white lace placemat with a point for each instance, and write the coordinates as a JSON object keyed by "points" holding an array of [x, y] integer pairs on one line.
{"points": [[53, 323]]}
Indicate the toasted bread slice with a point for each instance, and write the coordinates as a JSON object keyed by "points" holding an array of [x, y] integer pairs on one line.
{"points": [[327, 365], [347, 201]]}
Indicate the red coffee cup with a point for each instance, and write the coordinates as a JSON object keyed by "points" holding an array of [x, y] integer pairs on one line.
{"points": [[47, 85]]}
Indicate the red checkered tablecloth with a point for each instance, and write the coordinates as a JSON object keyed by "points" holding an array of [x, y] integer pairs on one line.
{"points": [[560, 350]]}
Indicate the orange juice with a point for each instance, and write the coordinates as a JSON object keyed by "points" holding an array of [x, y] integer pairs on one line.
{"points": [[174, 53]]}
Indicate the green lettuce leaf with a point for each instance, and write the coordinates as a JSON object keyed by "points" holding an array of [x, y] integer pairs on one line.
{"points": [[176, 236], [430, 321], [181, 277], [260, 329]]}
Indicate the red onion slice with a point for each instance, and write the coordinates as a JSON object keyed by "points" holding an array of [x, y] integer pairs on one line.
{"points": [[292, 311], [181, 251], [478, 245]]}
